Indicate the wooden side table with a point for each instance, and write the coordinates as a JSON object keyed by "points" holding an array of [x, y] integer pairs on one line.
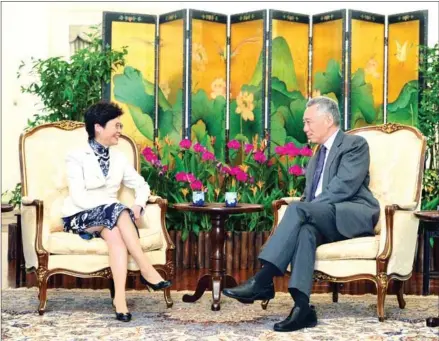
{"points": [[431, 229], [216, 279]]}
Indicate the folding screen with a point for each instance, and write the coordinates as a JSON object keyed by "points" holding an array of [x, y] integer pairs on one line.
{"points": [[133, 86], [172, 101], [328, 57], [288, 77], [406, 32], [207, 80], [365, 69], [247, 75]]}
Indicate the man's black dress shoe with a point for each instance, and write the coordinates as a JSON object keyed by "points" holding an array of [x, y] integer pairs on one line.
{"points": [[297, 319], [250, 292], [155, 287]]}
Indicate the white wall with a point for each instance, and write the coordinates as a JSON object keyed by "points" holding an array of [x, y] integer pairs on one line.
{"points": [[42, 30]]}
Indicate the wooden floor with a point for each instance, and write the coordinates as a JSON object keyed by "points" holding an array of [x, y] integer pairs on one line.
{"points": [[186, 279]]}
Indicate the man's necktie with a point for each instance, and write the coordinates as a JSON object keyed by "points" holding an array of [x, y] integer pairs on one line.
{"points": [[318, 171]]}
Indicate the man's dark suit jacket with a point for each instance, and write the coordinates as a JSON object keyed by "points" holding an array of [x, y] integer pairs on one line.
{"points": [[345, 184]]}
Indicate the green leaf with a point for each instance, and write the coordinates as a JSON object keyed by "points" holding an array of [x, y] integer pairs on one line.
{"points": [[361, 99], [405, 108], [330, 80], [143, 122]]}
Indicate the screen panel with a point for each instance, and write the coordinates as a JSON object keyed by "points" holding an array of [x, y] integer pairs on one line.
{"points": [[406, 32], [247, 76], [328, 57], [133, 86], [207, 81], [172, 109], [288, 81], [365, 69]]}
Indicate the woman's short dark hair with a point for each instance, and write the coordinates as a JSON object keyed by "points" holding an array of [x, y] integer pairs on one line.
{"points": [[100, 113]]}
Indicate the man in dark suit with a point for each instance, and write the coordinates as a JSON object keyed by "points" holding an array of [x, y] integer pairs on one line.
{"points": [[337, 204]]}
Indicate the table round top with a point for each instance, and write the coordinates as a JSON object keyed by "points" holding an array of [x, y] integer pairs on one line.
{"points": [[217, 207], [428, 216], [7, 208]]}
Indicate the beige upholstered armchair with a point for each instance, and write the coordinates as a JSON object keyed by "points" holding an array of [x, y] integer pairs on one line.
{"points": [[396, 168], [47, 249]]}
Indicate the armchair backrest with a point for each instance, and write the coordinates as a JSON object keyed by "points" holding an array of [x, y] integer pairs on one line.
{"points": [[42, 163], [397, 154]]}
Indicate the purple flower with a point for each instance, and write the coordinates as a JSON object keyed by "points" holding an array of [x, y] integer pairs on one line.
{"points": [[196, 185], [199, 148], [248, 148], [260, 157], [234, 144], [296, 170], [208, 156], [186, 144]]}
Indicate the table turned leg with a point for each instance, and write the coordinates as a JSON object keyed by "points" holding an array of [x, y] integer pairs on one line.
{"points": [[217, 279], [426, 269]]}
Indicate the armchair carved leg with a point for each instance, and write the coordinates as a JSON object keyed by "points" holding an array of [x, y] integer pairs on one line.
{"points": [[334, 287], [264, 304], [42, 277], [382, 284], [399, 287], [167, 274]]}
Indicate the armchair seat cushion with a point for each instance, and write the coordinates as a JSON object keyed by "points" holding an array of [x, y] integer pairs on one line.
{"points": [[356, 248], [64, 243]]}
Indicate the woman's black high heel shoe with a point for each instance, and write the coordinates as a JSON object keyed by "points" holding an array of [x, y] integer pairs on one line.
{"points": [[124, 317], [155, 287]]}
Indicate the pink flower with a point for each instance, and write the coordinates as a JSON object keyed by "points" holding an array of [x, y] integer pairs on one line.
{"points": [[149, 155], [235, 170], [234, 144], [260, 157], [280, 150], [241, 176], [296, 170], [181, 176], [208, 156], [165, 168], [196, 185], [248, 148], [186, 144], [199, 148], [291, 149], [190, 177], [226, 170], [305, 151]]}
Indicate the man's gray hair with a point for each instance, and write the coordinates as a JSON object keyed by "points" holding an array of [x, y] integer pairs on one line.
{"points": [[326, 106]]}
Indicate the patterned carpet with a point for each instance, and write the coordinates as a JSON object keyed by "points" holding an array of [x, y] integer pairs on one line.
{"points": [[87, 315]]}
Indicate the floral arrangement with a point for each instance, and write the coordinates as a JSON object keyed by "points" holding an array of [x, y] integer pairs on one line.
{"points": [[175, 171]]}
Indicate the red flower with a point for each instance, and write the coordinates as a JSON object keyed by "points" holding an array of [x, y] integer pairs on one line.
{"points": [[234, 144], [186, 144]]}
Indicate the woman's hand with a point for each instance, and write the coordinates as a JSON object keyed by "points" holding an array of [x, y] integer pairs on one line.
{"points": [[137, 210]]}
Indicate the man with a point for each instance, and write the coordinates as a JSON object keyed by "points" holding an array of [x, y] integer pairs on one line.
{"points": [[337, 204]]}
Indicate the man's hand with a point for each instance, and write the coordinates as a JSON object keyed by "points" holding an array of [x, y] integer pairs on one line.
{"points": [[137, 210]]}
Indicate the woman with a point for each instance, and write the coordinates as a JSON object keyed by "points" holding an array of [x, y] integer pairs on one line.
{"points": [[92, 209]]}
